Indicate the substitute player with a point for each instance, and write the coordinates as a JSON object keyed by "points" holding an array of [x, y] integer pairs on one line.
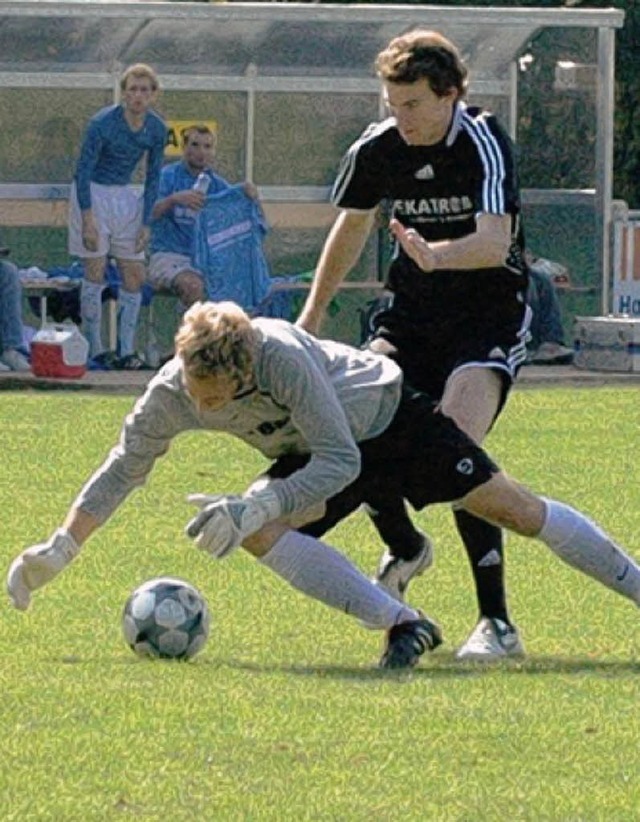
{"points": [[107, 216], [342, 427], [173, 225], [457, 322]]}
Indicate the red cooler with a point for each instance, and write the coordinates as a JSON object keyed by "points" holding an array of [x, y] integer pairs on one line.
{"points": [[59, 351]]}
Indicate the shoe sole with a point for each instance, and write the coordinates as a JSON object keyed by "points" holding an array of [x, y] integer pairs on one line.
{"points": [[518, 653]]}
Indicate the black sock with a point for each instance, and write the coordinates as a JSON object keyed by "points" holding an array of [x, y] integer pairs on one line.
{"points": [[483, 543], [394, 525]]}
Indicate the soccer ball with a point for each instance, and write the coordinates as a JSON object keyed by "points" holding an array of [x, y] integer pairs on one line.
{"points": [[166, 618]]}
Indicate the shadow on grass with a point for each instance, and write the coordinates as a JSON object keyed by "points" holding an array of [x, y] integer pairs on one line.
{"points": [[439, 666], [445, 667]]}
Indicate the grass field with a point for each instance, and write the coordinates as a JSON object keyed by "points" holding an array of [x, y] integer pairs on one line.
{"points": [[284, 715]]}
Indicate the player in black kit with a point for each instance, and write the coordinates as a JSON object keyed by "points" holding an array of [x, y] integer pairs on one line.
{"points": [[457, 319]]}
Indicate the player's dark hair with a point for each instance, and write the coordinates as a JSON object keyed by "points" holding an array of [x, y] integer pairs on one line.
{"points": [[197, 128], [424, 54]]}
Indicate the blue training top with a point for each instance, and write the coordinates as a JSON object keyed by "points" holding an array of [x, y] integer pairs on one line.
{"points": [[111, 150], [173, 232], [228, 249]]}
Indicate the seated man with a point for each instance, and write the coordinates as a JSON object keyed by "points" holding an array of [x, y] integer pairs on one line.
{"points": [[546, 346], [342, 427], [11, 358], [171, 267]]}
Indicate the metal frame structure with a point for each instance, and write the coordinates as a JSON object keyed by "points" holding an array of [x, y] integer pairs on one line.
{"points": [[491, 39]]}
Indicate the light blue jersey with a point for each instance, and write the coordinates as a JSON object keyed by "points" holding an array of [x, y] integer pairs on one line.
{"points": [[111, 151], [228, 248], [173, 232]]}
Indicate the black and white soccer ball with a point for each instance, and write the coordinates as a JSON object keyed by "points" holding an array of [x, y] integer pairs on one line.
{"points": [[166, 618]]}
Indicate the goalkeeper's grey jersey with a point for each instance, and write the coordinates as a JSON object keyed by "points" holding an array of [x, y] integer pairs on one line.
{"points": [[310, 396]]}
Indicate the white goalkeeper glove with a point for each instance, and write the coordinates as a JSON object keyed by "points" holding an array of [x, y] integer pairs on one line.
{"points": [[225, 521], [38, 565]]}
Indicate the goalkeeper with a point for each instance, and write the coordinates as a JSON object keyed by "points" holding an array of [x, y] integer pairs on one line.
{"points": [[342, 429]]}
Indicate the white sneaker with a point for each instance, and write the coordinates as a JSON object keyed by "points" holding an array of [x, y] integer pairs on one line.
{"points": [[14, 360], [490, 640], [394, 574]]}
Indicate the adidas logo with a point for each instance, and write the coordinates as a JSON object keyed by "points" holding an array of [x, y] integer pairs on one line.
{"points": [[490, 559], [496, 354], [425, 173]]}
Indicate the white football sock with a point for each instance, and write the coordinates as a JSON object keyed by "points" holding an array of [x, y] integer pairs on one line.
{"points": [[128, 311], [323, 573], [582, 544], [91, 315]]}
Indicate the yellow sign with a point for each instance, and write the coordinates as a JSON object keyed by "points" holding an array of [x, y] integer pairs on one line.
{"points": [[177, 129]]}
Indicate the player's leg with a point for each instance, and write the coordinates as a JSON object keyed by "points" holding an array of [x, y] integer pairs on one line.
{"points": [[319, 571], [129, 302], [472, 398], [189, 288], [94, 263], [175, 274], [91, 304], [126, 222], [171, 273], [572, 536], [409, 551]]}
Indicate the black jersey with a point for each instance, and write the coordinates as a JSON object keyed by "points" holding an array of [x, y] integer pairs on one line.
{"points": [[439, 190]]}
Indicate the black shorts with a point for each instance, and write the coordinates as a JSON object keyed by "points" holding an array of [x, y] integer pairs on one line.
{"points": [[430, 347], [422, 457]]}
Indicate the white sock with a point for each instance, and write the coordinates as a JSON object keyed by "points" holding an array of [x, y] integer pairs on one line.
{"points": [[583, 545], [91, 315], [323, 573], [128, 311]]}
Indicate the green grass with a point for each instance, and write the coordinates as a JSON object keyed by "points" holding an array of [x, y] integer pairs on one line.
{"points": [[284, 715]]}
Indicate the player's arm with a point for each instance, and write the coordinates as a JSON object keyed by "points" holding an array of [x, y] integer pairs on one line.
{"points": [[487, 247], [152, 177], [297, 383], [89, 154], [146, 435], [340, 253], [187, 198]]}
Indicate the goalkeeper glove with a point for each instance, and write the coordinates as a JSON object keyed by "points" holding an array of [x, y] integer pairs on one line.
{"points": [[225, 521], [38, 565]]}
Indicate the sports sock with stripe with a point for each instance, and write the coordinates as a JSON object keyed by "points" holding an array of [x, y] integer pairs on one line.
{"points": [[483, 543], [323, 573], [91, 315], [128, 311], [585, 546]]}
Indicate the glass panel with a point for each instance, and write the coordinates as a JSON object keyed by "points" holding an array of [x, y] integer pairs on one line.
{"points": [[301, 137], [43, 148]]}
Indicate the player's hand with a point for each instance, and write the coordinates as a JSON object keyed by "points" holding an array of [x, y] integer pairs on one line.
{"points": [[142, 238], [189, 198], [251, 190], [90, 236], [225, 521], [415, 246], [38, 565]]}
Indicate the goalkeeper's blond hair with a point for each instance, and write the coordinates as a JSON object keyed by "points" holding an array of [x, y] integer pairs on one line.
{"points": [[216, 339]]}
